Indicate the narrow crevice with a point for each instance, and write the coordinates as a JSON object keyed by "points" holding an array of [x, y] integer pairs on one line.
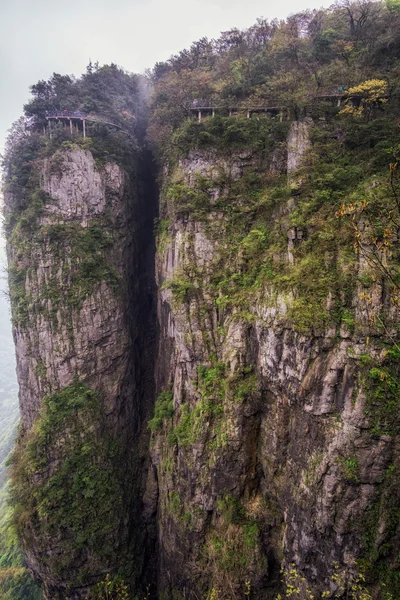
{"points": [[145, 346]]}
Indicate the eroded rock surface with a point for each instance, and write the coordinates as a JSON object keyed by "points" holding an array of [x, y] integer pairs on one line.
{"points": [[76, 325], [270, 460]]}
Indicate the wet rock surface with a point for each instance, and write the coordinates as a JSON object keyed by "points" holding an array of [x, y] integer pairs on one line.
{"points": [[265, 453], [297, 454]]}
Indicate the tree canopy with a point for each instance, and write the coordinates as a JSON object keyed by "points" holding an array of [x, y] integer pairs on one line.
{"points": [[290, 62], [106, 90]]}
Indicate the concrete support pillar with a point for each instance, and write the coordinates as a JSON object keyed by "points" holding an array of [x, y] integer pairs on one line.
{"points": [[248, 114], [70, 126], [213, 112], [84, 127], [281, 116], [230, 112], [49, 122], [199, 116]]}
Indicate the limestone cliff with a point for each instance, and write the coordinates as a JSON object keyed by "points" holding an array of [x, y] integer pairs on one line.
{"points": [[269, 449], [272, 462], [74, 279]]}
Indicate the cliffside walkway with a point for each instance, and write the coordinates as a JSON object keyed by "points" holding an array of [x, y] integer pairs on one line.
{"points": [[76, 118], [202, 108]]}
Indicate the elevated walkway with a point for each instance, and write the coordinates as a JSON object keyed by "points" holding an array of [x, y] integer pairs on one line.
{"points": [[78, 120], [203, 108]]}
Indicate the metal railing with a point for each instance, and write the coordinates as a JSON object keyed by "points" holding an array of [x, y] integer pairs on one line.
{"points": [[66, 114], [210, 103]]}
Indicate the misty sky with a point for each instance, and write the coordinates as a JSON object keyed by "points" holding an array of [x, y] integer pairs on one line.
{"points": [[38, 37]]}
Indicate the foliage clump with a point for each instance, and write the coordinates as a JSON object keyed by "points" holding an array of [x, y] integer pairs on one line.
{"points": [[77, 497], [295, 66], [15, 580], [164, 409], [232, 550], [103, 90], [369, 94]]}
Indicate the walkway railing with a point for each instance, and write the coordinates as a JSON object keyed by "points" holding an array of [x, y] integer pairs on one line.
{"points": [[203, 107], [77, 115], [67, 114]]}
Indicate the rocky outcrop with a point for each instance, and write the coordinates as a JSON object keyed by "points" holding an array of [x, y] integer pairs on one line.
{"points": [[75, 330], [78, 327], [267, 458], [272, 459]]}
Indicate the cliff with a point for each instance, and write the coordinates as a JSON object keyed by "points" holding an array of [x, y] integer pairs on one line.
{"points": [[74, 275], [207, 342], [276, 450]]}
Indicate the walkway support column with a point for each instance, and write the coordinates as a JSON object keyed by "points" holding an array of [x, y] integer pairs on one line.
{"points": [[70, 126], [84, 127], [199, 116]]}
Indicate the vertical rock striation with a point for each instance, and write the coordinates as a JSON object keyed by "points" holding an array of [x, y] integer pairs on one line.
{"points": [[264, 441], [73, 275], [80, 323], [271, 449]]}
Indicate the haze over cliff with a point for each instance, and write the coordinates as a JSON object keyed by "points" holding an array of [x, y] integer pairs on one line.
{"points": [[204, 285], [8, 381]]}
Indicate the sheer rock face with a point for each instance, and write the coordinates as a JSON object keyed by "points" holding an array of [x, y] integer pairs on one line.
{"points": [[80, 325], [298, 144], [297, 454], [89, 338], [267, 457]]}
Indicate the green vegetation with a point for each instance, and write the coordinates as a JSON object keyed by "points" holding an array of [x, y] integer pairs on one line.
{"points": [[252, 244], [15, 580], [77, 501], [83, 254], [207, 419], [107, 91], [226, 134], [81, 496], [313, 251], [350, 468], [87, 250], [193, 420], [163, 410], [349, 176], [242, 384], [289, 64], [110, 589], [104, 90], [379, 530], [381, 381], [175, 505], [232, 550], [353, 586], [161, 231]]}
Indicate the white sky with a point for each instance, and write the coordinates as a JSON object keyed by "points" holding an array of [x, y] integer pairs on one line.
{"points": [[38, 37]]}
